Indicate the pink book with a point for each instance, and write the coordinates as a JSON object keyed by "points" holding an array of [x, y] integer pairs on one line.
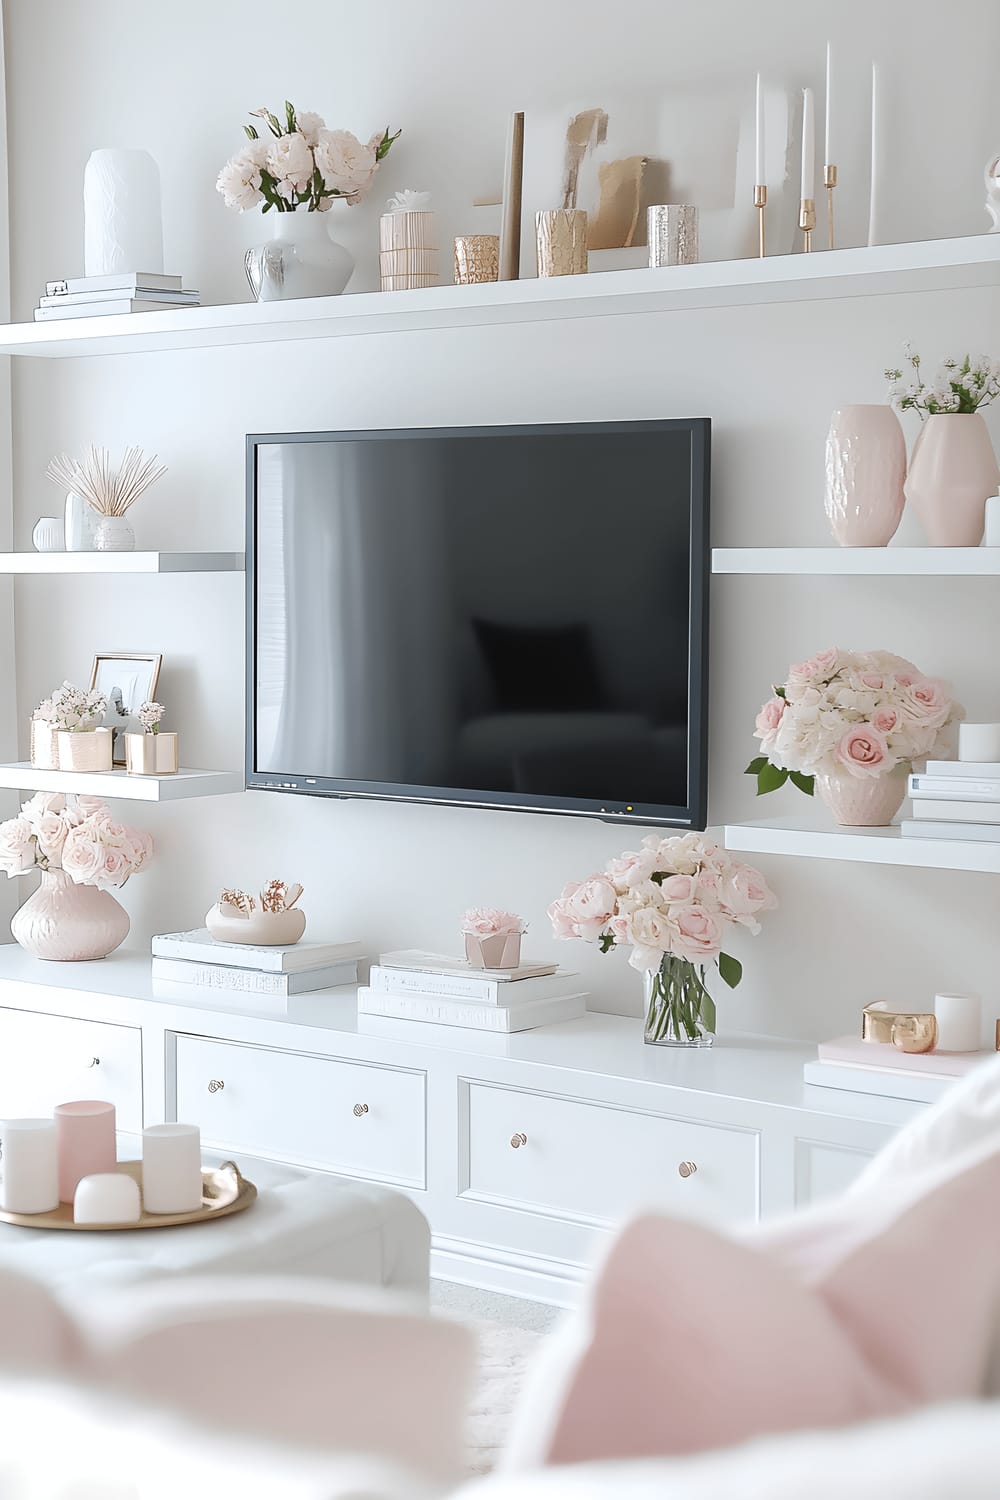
{"points": [[850, 1051]]}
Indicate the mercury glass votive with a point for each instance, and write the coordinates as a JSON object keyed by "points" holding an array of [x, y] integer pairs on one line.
{"points": [[477, 258], [672, 234]]}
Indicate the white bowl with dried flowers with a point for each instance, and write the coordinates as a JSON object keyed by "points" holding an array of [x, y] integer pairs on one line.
{"points": [[66, 732], [109, 492], [154, 751], [270, 920]]}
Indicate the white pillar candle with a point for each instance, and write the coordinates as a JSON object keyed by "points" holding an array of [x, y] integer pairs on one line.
{"points": [[171, 1169], [960, 1019], [992, 537], [874, 189], [28, 1162], [106, 1198], [828, 156], [808, 146], [759, 168], [979, 742]]}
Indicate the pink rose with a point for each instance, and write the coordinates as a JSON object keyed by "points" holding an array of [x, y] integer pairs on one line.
{"points": [[679, 888], [871, 680], [17, 846], [816, 668], [926, 702], [115, 868], [744, 894], [699, 934], [82, 857], [41, 805], [490, 921], [768, 720], [885, 720], [864, 752], [651, 934], [584, 909], [50, 831], [631, 868]]}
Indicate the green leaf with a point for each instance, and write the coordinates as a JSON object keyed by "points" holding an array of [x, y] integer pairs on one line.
{"points": [[756, 765], [607, 942], [779, 692], [384, 145], [251, 133], [658, 877], [707, 1012], [290, 116], [274, 123], [769, 778], [804, 783], [730, 970]]}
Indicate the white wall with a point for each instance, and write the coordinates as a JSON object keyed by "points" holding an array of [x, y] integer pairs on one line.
{"points": [[179, 81]]}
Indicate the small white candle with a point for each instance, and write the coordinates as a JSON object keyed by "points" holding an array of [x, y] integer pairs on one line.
{"points": [[959, 1019], [874, 190], [808, 146], [106, 1198], [828, 157], [992, 537], [979, 742], [171, 1169], [759, 179], [28, 1161]]}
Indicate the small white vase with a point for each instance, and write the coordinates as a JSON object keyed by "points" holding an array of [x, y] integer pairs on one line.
{"points": [[865, 470], [47, 535], [44, 746], [151, 754], [78, 524], [864, 801], [300, 261], [953, 472], [113, 534], [84, 749], [69, 923]]}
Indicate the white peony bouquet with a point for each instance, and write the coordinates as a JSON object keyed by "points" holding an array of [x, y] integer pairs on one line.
{"points": [[300, 163], [78, 836], [860, 713], [72, 709], [960, 385]]}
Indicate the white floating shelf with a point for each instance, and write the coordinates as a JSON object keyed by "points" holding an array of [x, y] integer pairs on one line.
{"points": [[877, 846], [860, 562], [122, 562], [185, 783], [869, 270]]}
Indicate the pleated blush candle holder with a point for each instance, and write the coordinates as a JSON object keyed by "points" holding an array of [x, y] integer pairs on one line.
{"points": [[171, 1169], [30, 1182], [85, 1142], [106, 1198]]}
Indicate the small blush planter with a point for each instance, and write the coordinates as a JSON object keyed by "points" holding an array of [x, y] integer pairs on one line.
{"points": [[262, 929], [953, 472], [865, 470], [863, 801], [501, 951]]}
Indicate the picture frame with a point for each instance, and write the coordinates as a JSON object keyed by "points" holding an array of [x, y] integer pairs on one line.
{"points": [[133, 676]]}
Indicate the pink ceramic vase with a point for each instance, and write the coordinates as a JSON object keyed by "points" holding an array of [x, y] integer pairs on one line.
{"points": [[865, 469], [69, 922], [953, 471], [863, 801]]}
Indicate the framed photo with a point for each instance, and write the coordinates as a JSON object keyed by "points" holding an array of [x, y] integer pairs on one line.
{"points": [[128, 679]]}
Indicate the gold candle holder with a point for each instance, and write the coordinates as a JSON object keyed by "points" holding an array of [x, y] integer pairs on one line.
{"points": [[807, 221], [760, 204], [477, 258], [829, 182], [906, 1030]]}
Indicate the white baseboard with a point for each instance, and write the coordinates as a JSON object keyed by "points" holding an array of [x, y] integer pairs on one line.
{"points": [[534, 1277]]}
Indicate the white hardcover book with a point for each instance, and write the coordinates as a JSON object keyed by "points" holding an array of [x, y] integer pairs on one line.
{"points": [[881, 1082], [956, 810], [982, 833], [472, 986], [473, 1016], [990, 769], [252, 981], [294, 958], [101, 299], [114, 281], [442, 963], [105, 309], [953, 788]]}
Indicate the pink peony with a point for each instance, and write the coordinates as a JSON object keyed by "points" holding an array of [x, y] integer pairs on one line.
{"points": [[490, 921], [745, 893], [864, 752], [652, 934], [679, 888], [699, 935], [631, 868], [768, 721], [584, 909]]}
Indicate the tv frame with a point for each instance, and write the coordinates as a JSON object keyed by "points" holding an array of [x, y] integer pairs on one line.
{"points": [[692, 816]]}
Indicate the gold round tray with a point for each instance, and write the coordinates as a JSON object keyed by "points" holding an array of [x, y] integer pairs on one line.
{"points": [[224, 1190]]}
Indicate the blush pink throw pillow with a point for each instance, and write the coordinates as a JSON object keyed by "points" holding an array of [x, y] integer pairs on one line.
{"points": [[695, 1341]]}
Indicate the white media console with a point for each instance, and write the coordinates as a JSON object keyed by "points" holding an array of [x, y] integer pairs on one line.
{"points": [[522, 1151]]}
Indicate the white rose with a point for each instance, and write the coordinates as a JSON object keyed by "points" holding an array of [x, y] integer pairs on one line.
{"points": [[40, 805], [51, 831], [239, 183], [345, 163], [290, 161], [17, 848], [651, 934], [82, 857]]}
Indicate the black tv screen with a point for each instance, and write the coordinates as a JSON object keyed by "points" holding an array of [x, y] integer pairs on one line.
{"points": [[501, 616]]}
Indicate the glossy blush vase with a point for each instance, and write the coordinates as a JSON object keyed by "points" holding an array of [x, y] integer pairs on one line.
{"points": [[863, 801], [953, 472], [865, 470], [69, 923], [300, 261]]}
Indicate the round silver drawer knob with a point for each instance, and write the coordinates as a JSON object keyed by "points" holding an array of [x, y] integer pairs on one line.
{"points": [[95, 1062], [360, 1109], [215, 1084], [518, 1139], [687, 1168]]}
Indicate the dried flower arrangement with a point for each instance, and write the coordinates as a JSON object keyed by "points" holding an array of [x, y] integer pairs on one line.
{"points": [[72, 709], [277, 896], [107, 490]]}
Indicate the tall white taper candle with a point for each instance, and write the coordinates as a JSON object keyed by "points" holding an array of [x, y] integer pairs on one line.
{"points": [[808, 146], [30, 1182], [759, 164], [828, 155], [873, 204]]}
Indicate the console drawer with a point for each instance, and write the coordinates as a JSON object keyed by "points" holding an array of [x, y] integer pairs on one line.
{"points": [[356, 1118], [595, 1162], [48, 1060]]}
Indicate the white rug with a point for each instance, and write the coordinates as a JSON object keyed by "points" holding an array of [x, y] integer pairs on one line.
{"points": [[504, 1353]]}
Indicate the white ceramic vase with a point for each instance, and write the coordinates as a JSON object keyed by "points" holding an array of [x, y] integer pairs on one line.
{"points": [[864, 801], [69, 923], [262, 929], [865, 470], [84, 749], [300, 261], [44, 746], [78, 524], [151, 754], [113, 534], [953, 472]]}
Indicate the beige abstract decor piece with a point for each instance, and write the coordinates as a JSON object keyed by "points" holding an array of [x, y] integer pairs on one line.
{"points": [[269, 920], [477, 258], [510, 209], [408, 247], [672, 234], [561, 242]]}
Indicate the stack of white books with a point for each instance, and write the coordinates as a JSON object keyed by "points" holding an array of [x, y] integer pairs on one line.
{"points": [[264, 977], [862, 1067], [119, 292], [414, 986], [955, 799]]}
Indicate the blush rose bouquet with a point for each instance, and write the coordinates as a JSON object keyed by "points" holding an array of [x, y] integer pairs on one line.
{"points": [[78, 836], [675, 902], [298, 162]]}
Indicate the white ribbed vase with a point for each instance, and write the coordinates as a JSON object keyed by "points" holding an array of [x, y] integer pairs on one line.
{"points": [[865, 470], [69, 923]]}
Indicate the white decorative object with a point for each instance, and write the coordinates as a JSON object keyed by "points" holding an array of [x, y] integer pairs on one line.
{"points": [[408, 243], [876, 146], [123, 228], [109, 493], [991, 537], [69, 923], [492, 937], [47, 535], [106, 1198], [992, 176], [78, 524], [979, 742], [672, 234], [29, 1183], [113, 534], [301, 260], [84, 750], [561, 242], [263, 928], [171, 1169], [151, 754], [960, 1021], [44, 745], [865, 470]]}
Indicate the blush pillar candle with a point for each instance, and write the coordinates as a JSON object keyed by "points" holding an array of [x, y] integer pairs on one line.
{"points": [[85, 1142], [171, 1169], [106, 1198], [30, 1179], [960, 1020]]}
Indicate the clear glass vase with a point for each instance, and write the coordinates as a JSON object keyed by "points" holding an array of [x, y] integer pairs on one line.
{"points": [[679, 1010]]}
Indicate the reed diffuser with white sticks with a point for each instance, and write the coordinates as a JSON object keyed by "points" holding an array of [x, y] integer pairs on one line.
{"points": [[108, 491]]}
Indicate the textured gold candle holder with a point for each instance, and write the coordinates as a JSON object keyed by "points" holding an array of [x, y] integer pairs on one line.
{"points": [[561, 241], [807, 221], [760, 204], [477, 258], [829, 182], [906, 1030]]}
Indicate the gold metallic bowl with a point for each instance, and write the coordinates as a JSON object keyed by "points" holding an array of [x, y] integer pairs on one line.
{"points": [[907, 1030]]}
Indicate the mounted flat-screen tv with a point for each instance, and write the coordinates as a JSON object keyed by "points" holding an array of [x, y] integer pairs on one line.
{"points": [[509, 617]]}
